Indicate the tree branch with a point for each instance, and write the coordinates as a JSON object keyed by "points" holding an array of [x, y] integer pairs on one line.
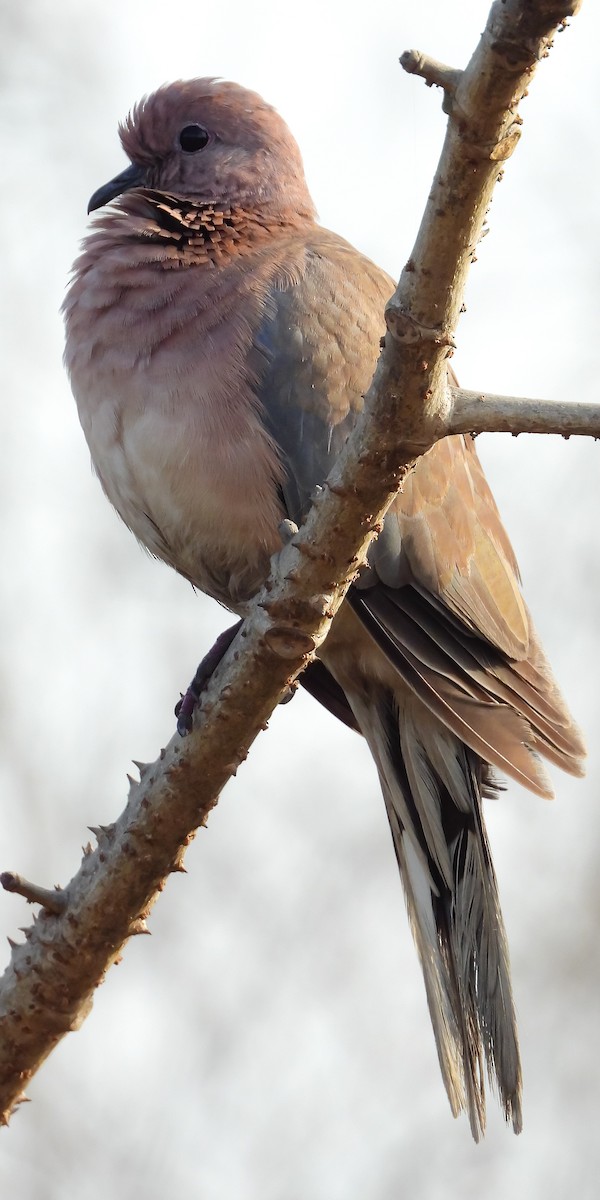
{"points": [[48, 985], [52, 901], [435, 73], [483, 412]]}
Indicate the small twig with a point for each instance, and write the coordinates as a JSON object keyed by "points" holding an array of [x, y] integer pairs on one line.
{"points": [[53, 901], [483, 412], [435, 74]]}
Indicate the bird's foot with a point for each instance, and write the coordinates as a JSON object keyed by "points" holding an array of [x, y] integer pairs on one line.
{"points": [[186, 706]]}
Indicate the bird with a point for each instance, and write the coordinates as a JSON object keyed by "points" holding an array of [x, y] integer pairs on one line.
{"points": [[219, 344]]}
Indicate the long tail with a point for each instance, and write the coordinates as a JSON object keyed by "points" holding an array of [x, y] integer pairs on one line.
{"points": [[433, 786]]}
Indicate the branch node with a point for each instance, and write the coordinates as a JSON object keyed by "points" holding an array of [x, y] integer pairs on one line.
{"points": [[287, 642], [308, 552], [338, 490], [406, 329]]}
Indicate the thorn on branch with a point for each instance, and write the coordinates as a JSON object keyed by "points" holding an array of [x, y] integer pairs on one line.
{"points": [[52, 901], [138, 926], [142, 767], [102, 833], [9, 1112]]}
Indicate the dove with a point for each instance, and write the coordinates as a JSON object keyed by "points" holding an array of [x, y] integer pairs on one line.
{"points": [[219, 343]]}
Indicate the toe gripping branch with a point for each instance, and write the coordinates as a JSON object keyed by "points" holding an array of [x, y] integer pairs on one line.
{"points": [[186, 707]]}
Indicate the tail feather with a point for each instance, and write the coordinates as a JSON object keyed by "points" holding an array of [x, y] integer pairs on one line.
{"points": [[508, 711], [433, 786]]}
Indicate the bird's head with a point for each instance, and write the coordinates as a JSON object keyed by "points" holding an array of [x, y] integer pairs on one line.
{"points": [[210, 141]]}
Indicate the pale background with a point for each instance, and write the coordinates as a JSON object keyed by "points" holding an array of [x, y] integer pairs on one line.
{"points": [[271, 1040]]}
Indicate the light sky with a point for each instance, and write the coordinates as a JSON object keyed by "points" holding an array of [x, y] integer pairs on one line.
{"points": [[271, 1040]]}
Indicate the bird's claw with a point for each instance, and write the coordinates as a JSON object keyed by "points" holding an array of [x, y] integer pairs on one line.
{"points": [[187, 705], [184, 711]]}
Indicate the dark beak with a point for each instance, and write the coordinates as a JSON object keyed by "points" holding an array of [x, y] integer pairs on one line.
{"points": [[133, 177]]}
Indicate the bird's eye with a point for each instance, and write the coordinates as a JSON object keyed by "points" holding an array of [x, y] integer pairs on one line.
{"points": [[193, 138]]}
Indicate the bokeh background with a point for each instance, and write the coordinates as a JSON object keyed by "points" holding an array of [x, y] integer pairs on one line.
{"points": [[271, 1040]]}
